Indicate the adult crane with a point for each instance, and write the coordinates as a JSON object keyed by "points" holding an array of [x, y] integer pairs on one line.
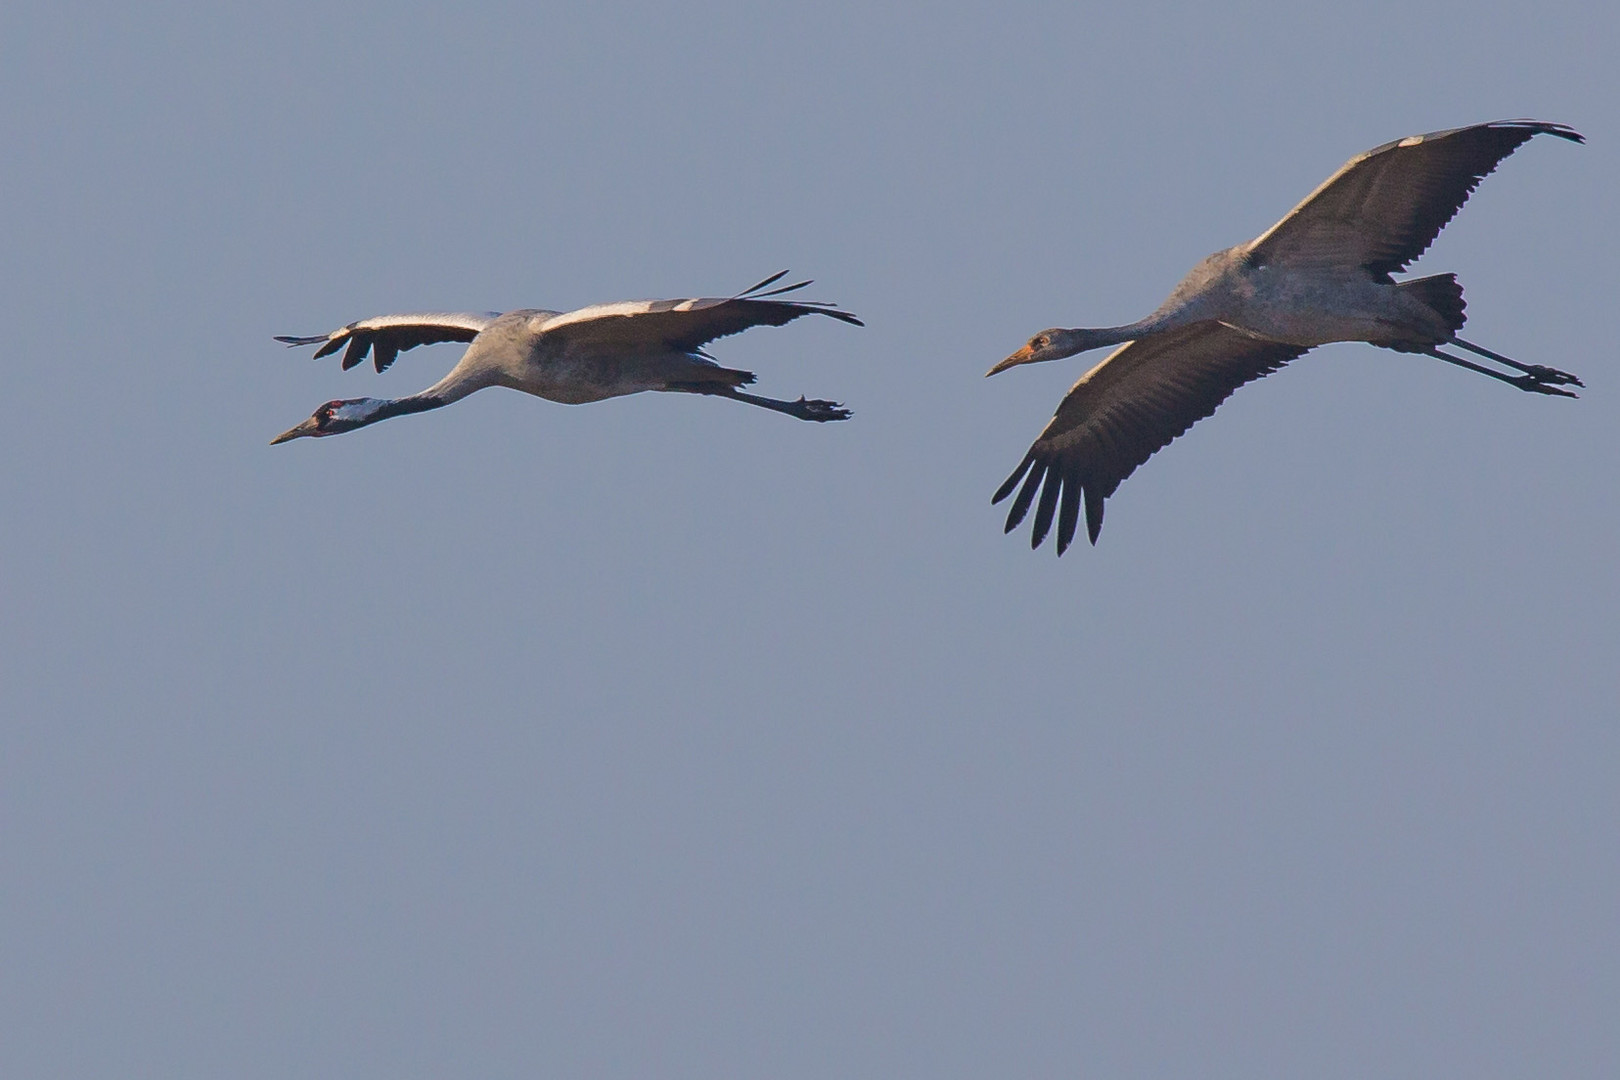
{"points": [[597, 352], [1321, 274]]}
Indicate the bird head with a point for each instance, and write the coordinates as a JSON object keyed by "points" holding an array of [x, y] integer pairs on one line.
{"points": [[334, 418], [1052, 344]]}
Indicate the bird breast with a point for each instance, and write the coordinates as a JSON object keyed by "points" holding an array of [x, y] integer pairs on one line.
{"points": [[573, 372]]}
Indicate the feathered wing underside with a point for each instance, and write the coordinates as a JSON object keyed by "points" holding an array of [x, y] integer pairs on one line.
{"points": [[1125, 409], [386, 336], [687, 325], [1384, 208]]}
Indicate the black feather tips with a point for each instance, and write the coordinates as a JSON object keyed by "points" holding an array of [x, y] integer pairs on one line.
{"points": [[1062, 493], [383, 343], [798, 307], [1541, 127]]}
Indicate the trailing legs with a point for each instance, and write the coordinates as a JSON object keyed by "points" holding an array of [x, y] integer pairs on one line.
{"points": [[812, 409], [1536, 378]]}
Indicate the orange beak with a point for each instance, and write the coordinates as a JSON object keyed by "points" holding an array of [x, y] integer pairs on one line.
{"points": [[1022, 356]]}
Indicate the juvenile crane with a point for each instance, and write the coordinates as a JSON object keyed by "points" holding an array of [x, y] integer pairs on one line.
{"points": [[597, 352], [1321, 274]]}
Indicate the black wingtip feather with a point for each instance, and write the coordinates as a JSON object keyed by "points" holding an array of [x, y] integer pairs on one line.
{"points": [[778, 276], [1011, 482], [1048, 504], [1542, 127], [1094, 514], [1026, 495], [293, 342], [1068, 515], [383, 355], [784, 289], [359, 345]]}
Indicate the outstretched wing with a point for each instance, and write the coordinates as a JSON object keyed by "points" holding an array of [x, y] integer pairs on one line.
{"points": [[688, 325], [1124, 410], [1383, 209], [386, 336]]}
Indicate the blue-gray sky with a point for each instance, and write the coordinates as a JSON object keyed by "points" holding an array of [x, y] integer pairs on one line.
{"points": [[665, 737]]}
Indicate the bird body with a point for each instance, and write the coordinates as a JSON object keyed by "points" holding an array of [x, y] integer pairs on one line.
{"points": [[594, 353], [1321, 274], [1306, 306]]}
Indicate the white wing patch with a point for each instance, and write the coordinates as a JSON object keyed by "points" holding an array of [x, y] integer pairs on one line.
{"points": [[597, 311], [386, 336], [459, 320], [625, 309]]}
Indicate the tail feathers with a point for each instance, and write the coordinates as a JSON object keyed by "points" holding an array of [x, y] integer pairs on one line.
{"points": [[1441, 293]]}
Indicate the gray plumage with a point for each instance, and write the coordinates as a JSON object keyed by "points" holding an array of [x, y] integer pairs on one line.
{"points": [[1321, 274], [597, 352]]}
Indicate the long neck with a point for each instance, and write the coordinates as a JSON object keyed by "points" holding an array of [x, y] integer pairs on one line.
{"points": [[366, 411], [402, 406], [1086, 338], [471, 374], [453, 387]]}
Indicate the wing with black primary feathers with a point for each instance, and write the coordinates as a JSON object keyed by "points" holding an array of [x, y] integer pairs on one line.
{"points": [[1382, 209], [386, 336], [1123, 411], [689, 324]]}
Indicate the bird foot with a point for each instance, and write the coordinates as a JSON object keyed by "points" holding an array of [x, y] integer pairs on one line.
{"points": [[1537, 386], [817, 410], [1552, 375]]}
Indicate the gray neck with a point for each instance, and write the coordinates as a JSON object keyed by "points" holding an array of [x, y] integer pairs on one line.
{"points": [[1203, 294], [1087, 338], [462, 381], [468, 376], [402, 406]]}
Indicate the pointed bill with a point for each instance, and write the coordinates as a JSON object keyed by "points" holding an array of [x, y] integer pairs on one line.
{"points": [[308, 427], [1022, 356]]}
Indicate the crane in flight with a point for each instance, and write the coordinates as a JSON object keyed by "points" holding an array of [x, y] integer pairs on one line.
{"points": [[1321, 274], [602, 351]]}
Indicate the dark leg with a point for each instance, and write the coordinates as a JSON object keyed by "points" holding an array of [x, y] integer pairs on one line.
{"points": [[817, 410], [1527, 381], [1538, 372]]}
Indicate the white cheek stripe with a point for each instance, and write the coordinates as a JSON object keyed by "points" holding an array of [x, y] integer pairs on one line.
{"points": [[359, 410]]}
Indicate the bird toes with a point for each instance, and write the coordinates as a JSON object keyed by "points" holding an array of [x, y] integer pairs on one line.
{"points": [[1544, 374], [820, 411], [1536, 386]]}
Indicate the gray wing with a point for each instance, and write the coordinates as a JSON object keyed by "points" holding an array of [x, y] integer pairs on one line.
{"points": [[386, 336], [1383, 209], [1123, 411], [687, 325]]}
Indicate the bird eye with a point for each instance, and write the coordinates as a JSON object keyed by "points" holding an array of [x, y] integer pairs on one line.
{"points": [[1039, 342]]}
